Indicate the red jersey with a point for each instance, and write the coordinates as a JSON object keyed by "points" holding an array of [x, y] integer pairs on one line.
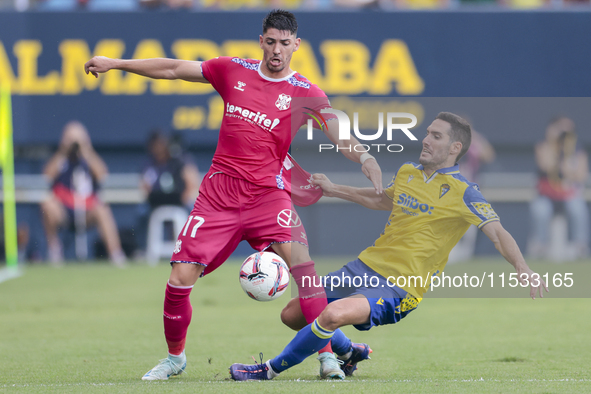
{"points": [[259, 120]]}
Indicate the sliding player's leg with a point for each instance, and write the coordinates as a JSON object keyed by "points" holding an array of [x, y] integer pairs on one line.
{"points": [[308, 340], [312, 299], [273, 223], [293, 317], [348, 352]]}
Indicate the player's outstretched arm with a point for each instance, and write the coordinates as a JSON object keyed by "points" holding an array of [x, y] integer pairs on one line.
{"points": [[158, 68], [508, 248], [369, 164], [362, 196]]}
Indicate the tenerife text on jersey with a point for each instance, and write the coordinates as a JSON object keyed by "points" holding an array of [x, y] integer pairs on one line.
{"points": [[250, 116]]}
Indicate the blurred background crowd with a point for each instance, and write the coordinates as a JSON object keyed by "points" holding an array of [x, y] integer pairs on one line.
{"points": [[135, 5], [110, 168]]}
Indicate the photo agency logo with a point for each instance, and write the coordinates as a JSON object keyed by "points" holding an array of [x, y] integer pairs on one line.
{"points": [[393, 124]]}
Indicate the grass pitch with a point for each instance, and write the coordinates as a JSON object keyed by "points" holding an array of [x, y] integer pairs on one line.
{"points": [[94, 328]]}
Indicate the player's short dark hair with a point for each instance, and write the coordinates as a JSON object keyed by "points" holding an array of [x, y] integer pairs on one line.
{"points": [[280, 20], [460, 131]]}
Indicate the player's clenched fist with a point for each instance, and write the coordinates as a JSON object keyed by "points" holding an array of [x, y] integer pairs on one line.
{"points": [[98, 64], [325, 184]]}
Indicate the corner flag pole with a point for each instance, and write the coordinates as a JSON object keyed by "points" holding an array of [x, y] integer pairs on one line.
{"points": [[7, 165]]}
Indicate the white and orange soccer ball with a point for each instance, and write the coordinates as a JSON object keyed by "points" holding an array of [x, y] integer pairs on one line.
{"points": [[264, 276]]}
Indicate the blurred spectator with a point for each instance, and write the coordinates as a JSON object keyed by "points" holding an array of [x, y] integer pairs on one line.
{"points": [[422, 4], [562, 173], [169, 179], [75, 172], [359, 4], [23, 236], [568, 3], [524, 4], [229, 5], [480, 152], [480, 3], [61, 5], [172, 4]]}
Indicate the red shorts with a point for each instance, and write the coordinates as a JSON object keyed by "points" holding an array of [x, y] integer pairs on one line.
{"points": [[229, 210]]}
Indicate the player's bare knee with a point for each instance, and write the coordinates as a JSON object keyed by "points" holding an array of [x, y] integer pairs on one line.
{"points": [[184, 274], [330, 318], [296, 260], [299, 254]]}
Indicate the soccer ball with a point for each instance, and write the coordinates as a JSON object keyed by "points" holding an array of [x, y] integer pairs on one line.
{"points": [[264, 276]]}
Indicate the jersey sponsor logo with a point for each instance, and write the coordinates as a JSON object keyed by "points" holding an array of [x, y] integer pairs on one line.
{"points": [[380, 301], [240, 86], [443, 190], [252, 117], [283, 102], [177, 247], [410, 177], [485, 210], [408, 201], [288, 218]]}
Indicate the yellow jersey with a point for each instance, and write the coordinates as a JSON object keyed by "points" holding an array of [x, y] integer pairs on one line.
{"points": [[429, 217]]}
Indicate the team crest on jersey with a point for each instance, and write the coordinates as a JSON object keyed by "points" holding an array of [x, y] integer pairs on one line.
{"points": [[283, 102], [443, 190], [485, 210]]}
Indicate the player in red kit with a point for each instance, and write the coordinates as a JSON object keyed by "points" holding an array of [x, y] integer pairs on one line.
{"points": [[246, 195]]}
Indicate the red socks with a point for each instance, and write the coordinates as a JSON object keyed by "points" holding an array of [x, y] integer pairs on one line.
{"points": [[312, 299], [177, 316], [178, 310]]}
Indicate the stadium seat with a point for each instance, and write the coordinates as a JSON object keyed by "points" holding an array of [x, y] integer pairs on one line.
{"points": [[158, 247]]}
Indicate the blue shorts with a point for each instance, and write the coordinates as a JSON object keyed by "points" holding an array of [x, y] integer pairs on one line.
{"points": [[388, 303]]}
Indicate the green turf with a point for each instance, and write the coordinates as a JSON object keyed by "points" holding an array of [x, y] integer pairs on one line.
{"points": [[95, 328]]}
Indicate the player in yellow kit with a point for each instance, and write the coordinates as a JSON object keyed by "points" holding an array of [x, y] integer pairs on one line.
{"points": [[432, 205]]}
